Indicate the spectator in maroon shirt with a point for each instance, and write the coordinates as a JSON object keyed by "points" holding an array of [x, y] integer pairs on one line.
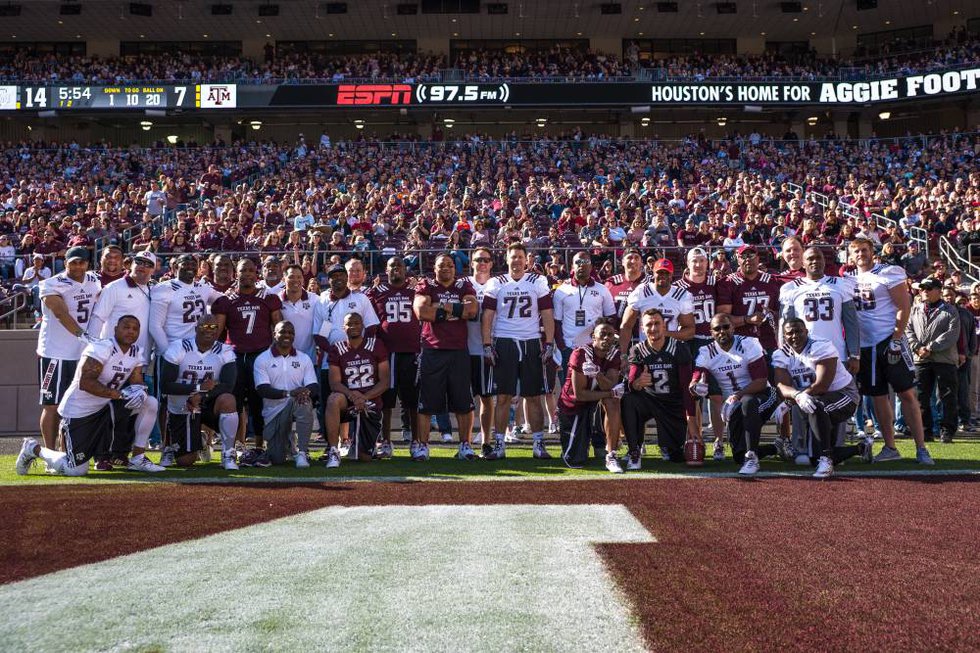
{"points": [[233, 241], [210, 239]]}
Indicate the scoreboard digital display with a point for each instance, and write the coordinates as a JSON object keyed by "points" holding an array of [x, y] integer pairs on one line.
{"points": [[122, 97]]}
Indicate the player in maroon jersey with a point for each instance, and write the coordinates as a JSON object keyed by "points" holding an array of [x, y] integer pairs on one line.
{"points": [[400, 331], [248, 314], [444, 305], [751, 298], [358, 377], [621, 285]]}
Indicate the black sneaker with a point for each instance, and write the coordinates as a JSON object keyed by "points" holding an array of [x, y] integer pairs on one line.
{"points": [[946, 437]]}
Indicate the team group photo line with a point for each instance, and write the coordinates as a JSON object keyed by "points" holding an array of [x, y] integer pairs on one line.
{"points": [[251, 362]]}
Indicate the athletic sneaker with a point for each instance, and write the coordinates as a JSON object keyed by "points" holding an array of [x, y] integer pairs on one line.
{"points": [[301, 459], [169, 456], [119, 461], [512, 436], [383, 451], [886, 454], [412, 448], [497, 451], [612, 464], [633, 463], [719, 454], [477, 438], [538, 450], [26, 456], [465, 451], [664, 454], [866, 448], [344, 448], [553, 428], [447, 438], [228, 461], [784, 448], [751, 464], [141, 463], [247, 458], [922, 457], [333, 459], [825, 468], [103, 465], [421, 451], [263, 460], [802, 460]]}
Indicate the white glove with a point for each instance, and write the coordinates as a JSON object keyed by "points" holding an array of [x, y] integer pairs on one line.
{"points": [[780, 412], [729, 407], [86, 339], [590, 370], [134, 395], [806, 402], [701, 389], [618, 390]]}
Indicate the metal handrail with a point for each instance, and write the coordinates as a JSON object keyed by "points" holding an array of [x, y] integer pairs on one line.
{"points": [[955, 260], [18, 301]]}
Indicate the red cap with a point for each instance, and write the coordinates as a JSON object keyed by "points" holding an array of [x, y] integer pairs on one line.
{"points": [[747, 248], [663, 264]]}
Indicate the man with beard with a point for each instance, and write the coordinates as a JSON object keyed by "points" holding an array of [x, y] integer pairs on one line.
{"points": [[673, 302], [111, 265], [224, 273]]}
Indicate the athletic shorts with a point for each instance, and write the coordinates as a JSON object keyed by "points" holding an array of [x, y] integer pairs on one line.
{"points": [[481, 375], [444, 381], [876, 374], [576, 435], [364, 429], [519, 371], [402, 377], [53, 378], [695, 345], [184, 430], [87, 437], [245, 381]]}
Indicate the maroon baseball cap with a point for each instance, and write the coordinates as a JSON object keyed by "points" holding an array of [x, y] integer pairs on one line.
{"points": [[747, 248]]}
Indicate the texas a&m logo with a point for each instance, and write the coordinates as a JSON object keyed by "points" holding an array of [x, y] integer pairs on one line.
{"points": [[219, 96], [374, 94]]}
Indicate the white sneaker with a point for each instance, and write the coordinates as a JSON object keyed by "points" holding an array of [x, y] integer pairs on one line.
{"points": [[344, 449], [553, 428], [802, 460], [26, 456], [465, 452], [447, 437], [141, 463], [422, 453], [169, 456], [612, 464], [301, 459], [477, 438], [333, 459], [825, 468], [384, 451], [538, 450], [751, 464], [719, 453], [413, 448], [512, 437], [228, 461], [633, 463]]}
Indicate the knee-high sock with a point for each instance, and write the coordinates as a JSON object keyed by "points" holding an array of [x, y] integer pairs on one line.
{"points": [[146, 418], [228, 428]]}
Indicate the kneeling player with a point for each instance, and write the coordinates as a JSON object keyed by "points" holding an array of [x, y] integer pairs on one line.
{"points": [[738, 364], [195, 397], [810, 373], [91, 418], [358, 377], [660, 369], [594, 378]]}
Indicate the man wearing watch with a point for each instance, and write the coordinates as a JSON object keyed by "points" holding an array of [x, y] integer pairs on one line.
{"points": [[884, 304]]}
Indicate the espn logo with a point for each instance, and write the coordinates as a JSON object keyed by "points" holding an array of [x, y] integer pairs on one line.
{"points": [[373, 94]]}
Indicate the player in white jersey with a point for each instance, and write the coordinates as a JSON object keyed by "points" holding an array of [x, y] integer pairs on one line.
{"points": [[178, 304], [96, 409], [516, 306], [127, 296], [809, 373], [738, 365], [67, 300], [198, 377], [480, 372], [883, 302], [674, 303]]}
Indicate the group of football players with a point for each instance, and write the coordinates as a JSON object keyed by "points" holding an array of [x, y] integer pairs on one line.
{"points": [[253, 354]]}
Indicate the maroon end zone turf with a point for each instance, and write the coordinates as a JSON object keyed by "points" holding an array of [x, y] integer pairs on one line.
{"points": [[739, 565]]}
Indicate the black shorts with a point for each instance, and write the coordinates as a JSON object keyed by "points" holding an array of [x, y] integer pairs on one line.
{"points": [[245, 382], [695, 345], [403, 374], [87, 437], [444, 382], [519, 371], [184, 431], [53, 378], [365, 427], [481, 376], [576, 435], [876, 374]]}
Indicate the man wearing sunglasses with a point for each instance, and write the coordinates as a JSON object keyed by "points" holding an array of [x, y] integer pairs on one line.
{"points": [[480, 371]]}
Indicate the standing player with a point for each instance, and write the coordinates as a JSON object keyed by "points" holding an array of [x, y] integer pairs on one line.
{"points": [[515, 307], [809, 373], [738, 365], [444, 305], [674, 303], [620, 286], [660, 370], [703, 287], [358, 377], [198, 377], [480, 371], [178, 304], [882, 300], [111, 265], [127, 296], [67, 300], [248, 314], [593, 377], [89, 423], [751, 299], [399, 331]]}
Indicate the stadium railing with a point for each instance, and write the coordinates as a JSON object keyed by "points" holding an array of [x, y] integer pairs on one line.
{"points": [[951, 255]]}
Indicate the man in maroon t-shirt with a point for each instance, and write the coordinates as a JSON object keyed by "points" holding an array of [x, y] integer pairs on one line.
{"points": [[751, 298], [249, 315], [594, 375], [358, 377], [400, 331], [444, 305], [111, 266]]}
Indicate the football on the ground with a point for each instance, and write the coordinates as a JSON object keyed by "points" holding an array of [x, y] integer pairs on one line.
{"points": [[694, 453]]}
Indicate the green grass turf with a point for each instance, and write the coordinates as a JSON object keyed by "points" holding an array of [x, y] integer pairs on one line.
{"points": [[518, 465]]}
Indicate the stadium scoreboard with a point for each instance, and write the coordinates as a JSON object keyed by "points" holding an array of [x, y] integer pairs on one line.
{"points": [[118, 97]]}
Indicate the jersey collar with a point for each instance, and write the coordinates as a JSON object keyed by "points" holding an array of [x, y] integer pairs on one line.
{"points": [[276, 354]]}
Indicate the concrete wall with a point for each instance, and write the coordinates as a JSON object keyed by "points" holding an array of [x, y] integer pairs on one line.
{"points": [[19, 411]]}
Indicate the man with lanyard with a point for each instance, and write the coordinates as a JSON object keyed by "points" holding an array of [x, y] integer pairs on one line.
{"points": [[620, 286], [67, 300], [399, 331], [480, 371], [444, 305], [248, 314], [675, 304], [703, 287], [578, 304]]}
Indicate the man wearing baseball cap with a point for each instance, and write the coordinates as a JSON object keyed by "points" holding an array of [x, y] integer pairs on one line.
{"points": [[673, 301], [751, 298]]}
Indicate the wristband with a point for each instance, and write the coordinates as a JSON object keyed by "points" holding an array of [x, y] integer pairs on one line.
{"points": [[197, 387], [440, 315], [457, 309]]}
